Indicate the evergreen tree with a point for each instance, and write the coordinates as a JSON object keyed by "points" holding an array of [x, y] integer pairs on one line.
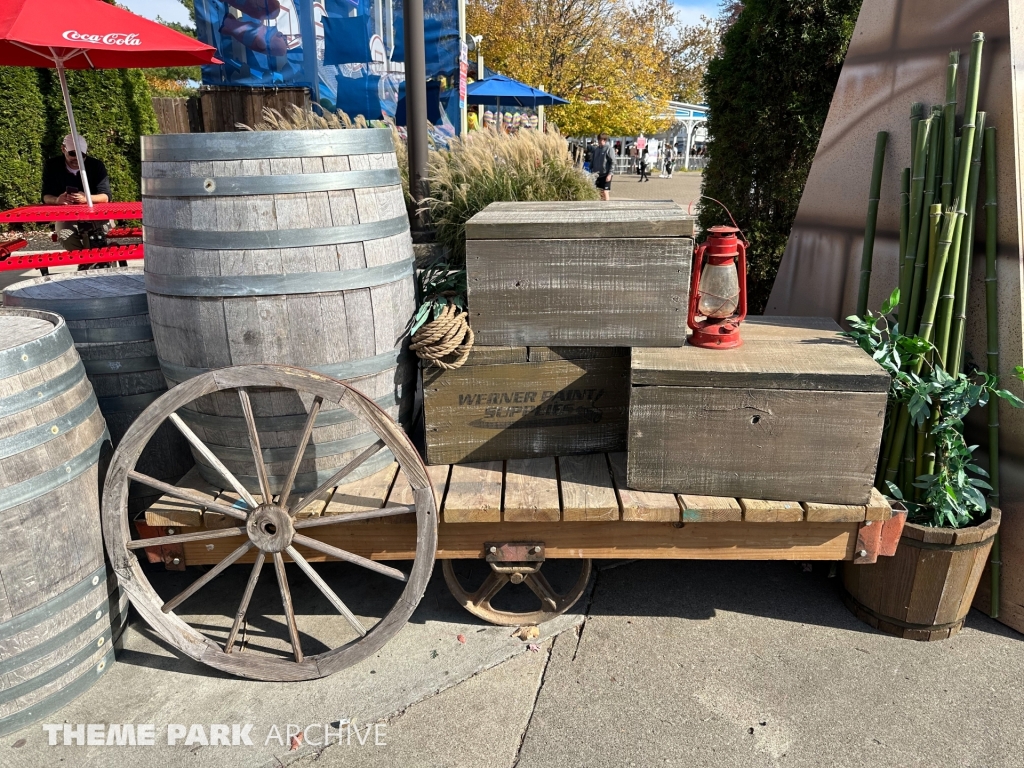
{"points": [[768, 94], [22, 124]]}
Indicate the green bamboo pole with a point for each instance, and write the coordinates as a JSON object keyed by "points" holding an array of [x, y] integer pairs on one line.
{"points": [[992, 361], [949, 131], [904, 213], [918, 167], [960, 185], [918, 460], [933, 238], [925, 331], [956, 336], [909, 465], [874, 193], [917, 283]]}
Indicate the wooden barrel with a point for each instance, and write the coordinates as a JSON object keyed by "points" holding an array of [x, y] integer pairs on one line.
{"points": [[108, 317], [287, 247], [57, 602], [925, 590]]}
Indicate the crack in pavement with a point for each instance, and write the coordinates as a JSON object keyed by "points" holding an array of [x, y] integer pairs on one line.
{"points": [[536, 697]]}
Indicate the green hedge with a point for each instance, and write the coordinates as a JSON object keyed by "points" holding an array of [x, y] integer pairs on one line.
{"points": [[113, 109], [22, 124], [768, 95]]}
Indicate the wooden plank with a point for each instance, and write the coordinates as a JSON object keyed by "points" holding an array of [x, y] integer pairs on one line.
{"points": [[654, 541], [579, 220], [366, 493], [761, 511], [481, 355], [878, 507], [834, 513], [543, 354], [639, 505], [525, 410], [401, 493], [474, 493], [175, 512], [579, 292], [587, 489], [755, 443], [531, 491], [710, 509]]}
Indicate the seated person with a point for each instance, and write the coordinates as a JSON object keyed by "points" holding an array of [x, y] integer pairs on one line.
{"points": [[62, 185]]}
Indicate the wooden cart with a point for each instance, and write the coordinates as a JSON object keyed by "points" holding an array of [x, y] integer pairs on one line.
{"points": [[513, 514]]}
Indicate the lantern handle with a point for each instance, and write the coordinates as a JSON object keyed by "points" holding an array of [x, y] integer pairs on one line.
{"points": [[741, 246], [689, 210], [698, 261]]}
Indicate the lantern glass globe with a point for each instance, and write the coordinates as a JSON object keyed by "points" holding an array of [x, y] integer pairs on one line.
{"points": [[719, 291]]}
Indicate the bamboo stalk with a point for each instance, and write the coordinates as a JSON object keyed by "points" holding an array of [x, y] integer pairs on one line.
{"points": [[992, 347], [949, 131], [956, 336], [904, 214], [917, 283], [918, 167], [960, 186], [926, 330], [933, 238], [874, 193], [909, 465], [918, 459]]}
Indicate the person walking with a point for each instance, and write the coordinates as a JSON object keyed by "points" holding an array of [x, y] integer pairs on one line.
{"points": [[670, 159], [603, 164], [644, 163]]}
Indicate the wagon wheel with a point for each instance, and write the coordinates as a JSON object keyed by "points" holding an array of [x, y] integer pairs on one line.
{"points": [[552, 604], [270, 530]]}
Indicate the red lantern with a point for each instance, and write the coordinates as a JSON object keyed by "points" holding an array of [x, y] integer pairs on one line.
{"points": [[718, 292]]}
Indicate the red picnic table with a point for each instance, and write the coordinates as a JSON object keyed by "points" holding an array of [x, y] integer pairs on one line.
{"points": [[39, 214]]}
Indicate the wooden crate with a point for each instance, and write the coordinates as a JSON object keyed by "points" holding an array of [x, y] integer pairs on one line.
{"points": [[796, 412], [609, 274], [578, 506], [520, 403]]}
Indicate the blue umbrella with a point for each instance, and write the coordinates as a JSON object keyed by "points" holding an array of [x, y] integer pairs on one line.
{"points": [[498, 88]]}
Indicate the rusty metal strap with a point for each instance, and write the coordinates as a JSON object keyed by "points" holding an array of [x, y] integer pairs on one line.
{"points": [[33, 396], [908, 542], [32, 354], [899, 623], [263, 145]]}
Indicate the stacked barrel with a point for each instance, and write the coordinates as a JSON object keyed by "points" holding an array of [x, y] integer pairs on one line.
{"points": [[107, 315], [280, 247], [59, 608]]}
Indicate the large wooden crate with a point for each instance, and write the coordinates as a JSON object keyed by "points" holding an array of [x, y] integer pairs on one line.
{"points": [[520, 403], [796, 412], [607, 274]]}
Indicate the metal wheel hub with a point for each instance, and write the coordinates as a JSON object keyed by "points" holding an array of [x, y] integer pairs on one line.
{"points": [[270, 528]]}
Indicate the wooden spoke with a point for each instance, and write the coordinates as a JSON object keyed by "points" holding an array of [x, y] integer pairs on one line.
{"points": [[348, 557], [492, 586], [328, 592], [243, 606], [254, 443], [188, 495], [212, 459], [289, 611], [351, 517], [307, 432], [205, 579], [181, 538], [334, 479], [538, 582]]}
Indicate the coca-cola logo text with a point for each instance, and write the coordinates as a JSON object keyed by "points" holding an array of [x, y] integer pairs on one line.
{"points": [[111, 38]]}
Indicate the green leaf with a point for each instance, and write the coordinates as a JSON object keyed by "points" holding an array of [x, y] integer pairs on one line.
{"points": [[892, 302]]}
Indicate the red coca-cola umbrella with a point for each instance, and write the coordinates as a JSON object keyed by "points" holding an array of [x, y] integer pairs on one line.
{"points": [[89, 34]]}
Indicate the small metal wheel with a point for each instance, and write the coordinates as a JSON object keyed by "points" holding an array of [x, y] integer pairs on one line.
{"points": [[479, 602], [268, 528]]}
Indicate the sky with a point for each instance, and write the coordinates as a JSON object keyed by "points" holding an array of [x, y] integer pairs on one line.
{"points": [[690, 11]]}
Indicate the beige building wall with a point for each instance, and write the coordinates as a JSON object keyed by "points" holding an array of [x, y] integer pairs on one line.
{"points": [[898, 55]]}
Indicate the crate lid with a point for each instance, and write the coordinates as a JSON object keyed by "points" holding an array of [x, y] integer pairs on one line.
{"points": [[799, 353], [580, 220]]}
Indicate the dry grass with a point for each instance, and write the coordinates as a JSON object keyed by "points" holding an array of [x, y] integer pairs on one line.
{"points": [[487, 167]]}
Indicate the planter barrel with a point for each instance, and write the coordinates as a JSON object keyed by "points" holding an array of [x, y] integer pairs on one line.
{"points": [[925, 590], [288, 247], [107, 315], [59, 606]]}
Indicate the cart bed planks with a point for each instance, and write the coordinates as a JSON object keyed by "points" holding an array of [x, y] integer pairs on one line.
{"points": [[600, 517]]}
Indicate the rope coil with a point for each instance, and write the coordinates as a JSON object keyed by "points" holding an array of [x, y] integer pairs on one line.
{"points": [[447, 335]]}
